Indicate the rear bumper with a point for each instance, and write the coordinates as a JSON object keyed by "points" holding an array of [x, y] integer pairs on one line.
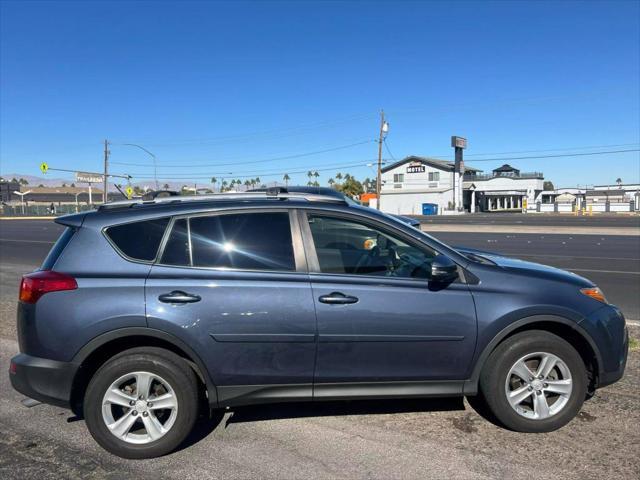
{"points": [[47, 381]]}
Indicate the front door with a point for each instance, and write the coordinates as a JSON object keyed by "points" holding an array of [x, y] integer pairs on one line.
{"points": [[232, 286], [382, 328]]}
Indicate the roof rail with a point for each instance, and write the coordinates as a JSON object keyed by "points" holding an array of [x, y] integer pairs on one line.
{"points": [[272, 194]]}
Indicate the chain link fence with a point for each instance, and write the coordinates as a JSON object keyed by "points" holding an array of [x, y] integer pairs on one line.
{"points": [[41, 210]]}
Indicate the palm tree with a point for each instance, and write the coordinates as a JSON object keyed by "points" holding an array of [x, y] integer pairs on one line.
{"points": [[165, 186], [223, 186], [338, 177], [316, 175], [286, 179], [257, 180], [247, 184], [619, 181], [331, 181]]}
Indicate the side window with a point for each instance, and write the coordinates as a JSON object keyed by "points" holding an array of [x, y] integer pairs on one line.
{"points": [[176, 251], [138, 240], [246, 241], [354, 248]]}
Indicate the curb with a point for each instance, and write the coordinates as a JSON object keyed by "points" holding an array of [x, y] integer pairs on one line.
{"points": [[544, 230], [28, 218]]}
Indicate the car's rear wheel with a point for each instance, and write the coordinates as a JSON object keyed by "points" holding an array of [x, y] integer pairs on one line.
{"points": [[534, 382], [142, 403]]}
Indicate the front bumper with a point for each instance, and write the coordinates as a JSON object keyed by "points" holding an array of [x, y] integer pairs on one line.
{"points": [[47, 381], [607, 327]]}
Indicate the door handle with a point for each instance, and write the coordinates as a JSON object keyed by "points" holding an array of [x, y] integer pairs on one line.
{"points": [[338, 298], [179, 297]]}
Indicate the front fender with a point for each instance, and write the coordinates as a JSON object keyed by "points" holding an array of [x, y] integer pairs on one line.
{"points": [[483, 351]]}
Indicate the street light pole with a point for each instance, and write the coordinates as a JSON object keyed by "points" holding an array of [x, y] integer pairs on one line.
{"points": [[22, 194], [384, 128], [105, 180], [155, 166]]}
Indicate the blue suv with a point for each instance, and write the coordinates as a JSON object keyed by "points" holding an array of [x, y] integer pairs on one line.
{"points": [[145, 310]]}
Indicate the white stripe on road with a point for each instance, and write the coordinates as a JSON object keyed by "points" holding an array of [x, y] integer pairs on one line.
{"points": [[602, 271], [25, 241], [542, 255]]}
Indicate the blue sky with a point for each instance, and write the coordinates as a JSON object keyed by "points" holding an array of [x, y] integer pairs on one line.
{"points": [[215, 88]]}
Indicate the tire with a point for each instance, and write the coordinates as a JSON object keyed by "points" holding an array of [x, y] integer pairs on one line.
{"points": [[569, 376], [167, 376]]}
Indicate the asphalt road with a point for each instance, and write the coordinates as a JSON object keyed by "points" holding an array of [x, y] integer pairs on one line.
{"points": [[438, 438], [538, 219]]}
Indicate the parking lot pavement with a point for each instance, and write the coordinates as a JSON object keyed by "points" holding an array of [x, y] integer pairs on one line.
{"points": [[442, 438]]}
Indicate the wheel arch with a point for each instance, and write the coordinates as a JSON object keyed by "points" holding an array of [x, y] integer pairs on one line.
{"points": [[566, 329], [100, 349]]}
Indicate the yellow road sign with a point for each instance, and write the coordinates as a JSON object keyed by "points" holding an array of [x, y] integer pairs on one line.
{"points": [[44, 167], [129, 192]]}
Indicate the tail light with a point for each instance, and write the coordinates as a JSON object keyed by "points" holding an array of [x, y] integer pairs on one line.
{"points": [[36, 284]]}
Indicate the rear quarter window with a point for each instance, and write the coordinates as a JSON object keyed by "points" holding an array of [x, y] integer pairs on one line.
{"points": [[57, 248], [138, 240]]}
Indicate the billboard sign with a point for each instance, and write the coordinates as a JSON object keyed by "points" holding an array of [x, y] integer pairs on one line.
{"points": [[86, 177], [458, 142]]}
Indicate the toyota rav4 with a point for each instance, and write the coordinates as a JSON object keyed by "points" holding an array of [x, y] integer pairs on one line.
{"points": [[145, 310]]}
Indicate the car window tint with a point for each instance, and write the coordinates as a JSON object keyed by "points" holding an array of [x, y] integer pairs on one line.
{"points": [[176, 251], [354, 248], [139, 240], [248, 241]]}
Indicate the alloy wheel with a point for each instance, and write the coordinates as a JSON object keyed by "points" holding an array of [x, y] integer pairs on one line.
{"points": [[538, 385], [139, 407]]}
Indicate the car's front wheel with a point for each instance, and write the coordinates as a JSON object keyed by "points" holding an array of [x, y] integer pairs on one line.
{"points": [[142, 403], [534, 382]]}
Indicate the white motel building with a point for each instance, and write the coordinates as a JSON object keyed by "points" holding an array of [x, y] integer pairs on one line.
{"points": [[420, 185]]}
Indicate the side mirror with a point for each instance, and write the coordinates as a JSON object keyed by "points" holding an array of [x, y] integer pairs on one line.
{"points": [[443, 269]]}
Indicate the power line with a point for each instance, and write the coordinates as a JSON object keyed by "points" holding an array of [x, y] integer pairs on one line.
{"points": [[273, 159], [262, 171], [554, 149], [388, 151], [232, 175], [553, 156], [276, 132]]}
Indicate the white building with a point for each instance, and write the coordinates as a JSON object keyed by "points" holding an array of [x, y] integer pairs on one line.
{"points": [[417, 184]]}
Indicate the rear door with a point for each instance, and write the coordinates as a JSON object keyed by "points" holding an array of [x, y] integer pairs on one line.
{"points": [[235, 286], [380, 321]]}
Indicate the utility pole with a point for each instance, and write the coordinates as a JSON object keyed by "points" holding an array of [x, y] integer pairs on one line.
{"points": [[384, 128], [105, 182]]}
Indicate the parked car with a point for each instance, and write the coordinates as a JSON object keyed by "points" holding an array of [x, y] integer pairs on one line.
{"points": [[144, 310], [332, 192]]}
